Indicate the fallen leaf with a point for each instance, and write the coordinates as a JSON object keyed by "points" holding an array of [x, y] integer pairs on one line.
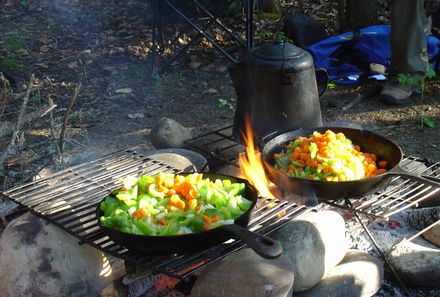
{"points": [[211, 91], [42, 65], [222, 69], [22, 52], [135, 115], [194, 65], [72, 65], [44, 49], [124, 91]]}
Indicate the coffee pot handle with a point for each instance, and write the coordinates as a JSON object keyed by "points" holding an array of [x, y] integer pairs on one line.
{"points": [[327, 80]]}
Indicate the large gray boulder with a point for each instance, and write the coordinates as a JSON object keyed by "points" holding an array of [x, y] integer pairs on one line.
{"points": [[358, 274], [315, 243], [40, 259], [245, 274]]}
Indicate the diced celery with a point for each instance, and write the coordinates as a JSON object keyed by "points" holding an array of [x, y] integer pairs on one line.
{"points": [[226, 183], [233, 207], [219, 197], [152, 190], [109, 205], [148, 179], [170, 229], [297, 164], [136, 230], [294, 144], [243, 203], [131, 193], [210, 212], [144, 227], [313, 148], [107, 222], [226, 213], [130, 202], [197, 223], [129, 182], [282, 161], [163, 202]]}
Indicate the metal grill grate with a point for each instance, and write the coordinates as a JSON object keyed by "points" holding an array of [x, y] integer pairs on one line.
{"points": [[69, 199], [402, 193]]}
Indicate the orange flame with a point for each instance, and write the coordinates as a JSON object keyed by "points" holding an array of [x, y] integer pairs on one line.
{"points": [[251, 166]]}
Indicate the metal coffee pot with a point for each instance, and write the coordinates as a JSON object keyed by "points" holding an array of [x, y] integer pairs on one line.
{"points": [[276, 88]]}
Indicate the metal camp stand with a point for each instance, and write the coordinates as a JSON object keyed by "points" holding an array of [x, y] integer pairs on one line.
{"points": [[211, 20]]}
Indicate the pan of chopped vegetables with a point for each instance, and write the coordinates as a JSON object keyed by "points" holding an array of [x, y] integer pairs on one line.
{"points": [[169, 213], [333, 163]]}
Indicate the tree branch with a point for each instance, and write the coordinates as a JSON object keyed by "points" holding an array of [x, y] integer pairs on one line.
{"points": [[19, 120], [66, 114]]}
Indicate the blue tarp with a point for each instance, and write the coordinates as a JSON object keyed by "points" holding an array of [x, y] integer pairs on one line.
{"points": [[347, 56]]}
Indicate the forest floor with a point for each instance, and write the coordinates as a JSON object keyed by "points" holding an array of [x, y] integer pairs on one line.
{"points": [[107, 45]]}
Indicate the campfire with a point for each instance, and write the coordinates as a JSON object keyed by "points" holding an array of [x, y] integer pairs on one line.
{"points": [[251, 165]]}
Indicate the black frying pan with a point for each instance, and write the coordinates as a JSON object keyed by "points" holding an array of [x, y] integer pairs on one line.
{"points": [[262, 245], [369, 142]]}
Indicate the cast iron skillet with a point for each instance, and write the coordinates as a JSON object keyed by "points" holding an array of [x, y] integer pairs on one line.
{"points": [[369, 142], [262, 245]]}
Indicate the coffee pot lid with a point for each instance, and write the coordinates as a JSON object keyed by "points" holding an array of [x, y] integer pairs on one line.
{"points": [[278, 51]]}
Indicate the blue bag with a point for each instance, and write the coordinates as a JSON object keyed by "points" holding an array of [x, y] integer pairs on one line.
{"points": [[347, 57]]}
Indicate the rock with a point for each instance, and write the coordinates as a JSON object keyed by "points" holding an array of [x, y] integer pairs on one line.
{"points": [[358, 274], [245, 274], [168, 133], [40, 259], [315, 242], [416, 264], [421, 218], [433, 235]]}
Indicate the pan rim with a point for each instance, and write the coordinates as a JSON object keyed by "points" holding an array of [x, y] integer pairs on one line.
{"points": [[266, 153]]}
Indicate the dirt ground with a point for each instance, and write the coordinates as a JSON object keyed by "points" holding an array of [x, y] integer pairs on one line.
{"points": [[106, 45]]}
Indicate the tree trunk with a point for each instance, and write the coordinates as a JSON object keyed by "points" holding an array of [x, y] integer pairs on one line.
{"points": [[358, 14]]}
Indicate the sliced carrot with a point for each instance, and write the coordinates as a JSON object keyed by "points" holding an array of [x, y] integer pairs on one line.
{"points": [[215, 218], [206, 219], [140, 214], [383, 164], [380, 171]]}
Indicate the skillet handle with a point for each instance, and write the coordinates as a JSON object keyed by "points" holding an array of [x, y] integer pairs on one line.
{"points": [[427, 180], [264, 246]]}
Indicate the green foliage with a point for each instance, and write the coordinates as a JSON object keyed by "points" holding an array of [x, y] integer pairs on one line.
{"points": [[12, 62], [427, 122], [225, 103], [279, 36], [419, 81], [331, 85], [235, 6], [14, 41]]}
